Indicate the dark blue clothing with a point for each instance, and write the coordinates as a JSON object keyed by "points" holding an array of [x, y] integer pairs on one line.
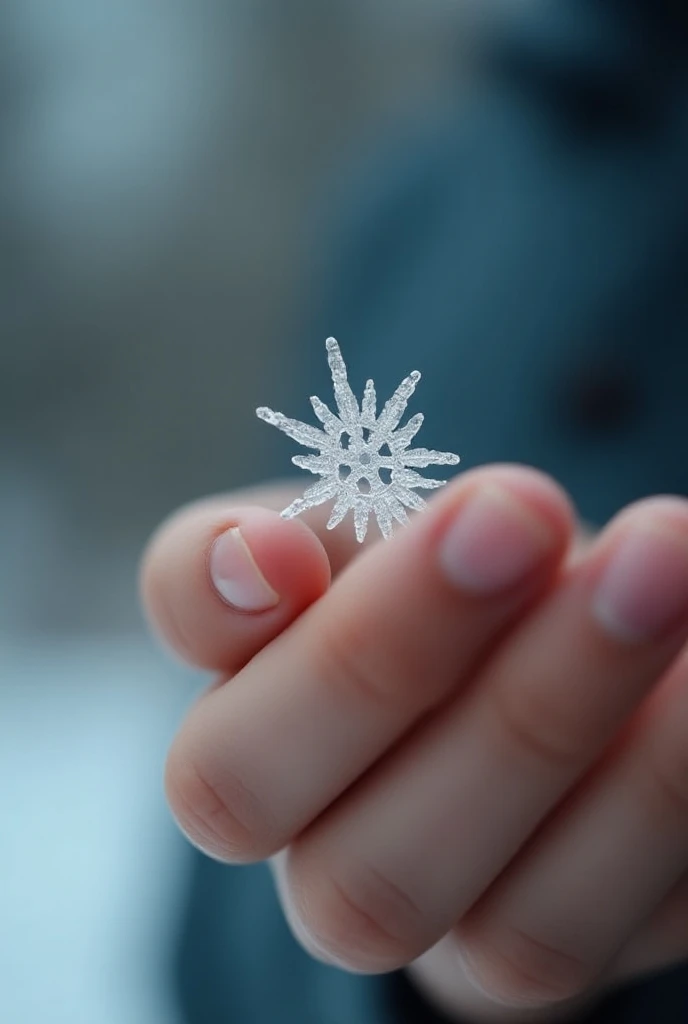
{"points": [[530, 256], [238, 964]]}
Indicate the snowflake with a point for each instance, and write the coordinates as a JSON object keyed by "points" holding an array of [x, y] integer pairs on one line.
{"points": [[364, 461]]}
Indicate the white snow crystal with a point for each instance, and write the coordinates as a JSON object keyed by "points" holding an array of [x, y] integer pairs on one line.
{"points": [[363, 460]]}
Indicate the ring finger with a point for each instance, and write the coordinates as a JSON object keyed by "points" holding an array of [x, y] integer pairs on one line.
{"points": [[599, 871]]}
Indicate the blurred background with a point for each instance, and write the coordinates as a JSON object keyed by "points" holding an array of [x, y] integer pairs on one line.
{"points": [[193, 195], [161, 169], [158, 171]]}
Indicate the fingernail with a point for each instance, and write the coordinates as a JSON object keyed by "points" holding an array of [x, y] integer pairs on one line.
{"points": [[643, 591], [494, 542], [236, 577]]}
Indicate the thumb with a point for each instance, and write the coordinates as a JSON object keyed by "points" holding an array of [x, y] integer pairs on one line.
{"points": [[221, 579]]}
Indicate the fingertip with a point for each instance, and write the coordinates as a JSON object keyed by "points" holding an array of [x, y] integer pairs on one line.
{"points": [[199, 812], [285, 552], [218, 584], [534, 488]]}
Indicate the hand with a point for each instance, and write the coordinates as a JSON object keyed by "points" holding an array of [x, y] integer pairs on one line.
{"points": [[471, 743]]}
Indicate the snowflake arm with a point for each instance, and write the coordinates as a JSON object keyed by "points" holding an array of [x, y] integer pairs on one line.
{"points": [[343, 505], [423, 457], [332, 424], [384, 520], [409, 478], [369, 406], [350, 460], [394, 409], [361, 515], [312, 497], [397, 510], [402, 438], [346, 400], [313, 463], [410, 498], [309, 437]]}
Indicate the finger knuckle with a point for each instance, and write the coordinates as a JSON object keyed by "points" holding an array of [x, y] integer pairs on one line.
{"points": [[518, 969], [345, 662], [223, 820], [356, 926], [532, 723]]}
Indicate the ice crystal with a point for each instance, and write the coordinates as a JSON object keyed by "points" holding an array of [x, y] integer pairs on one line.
{"points": [[363, 460]]}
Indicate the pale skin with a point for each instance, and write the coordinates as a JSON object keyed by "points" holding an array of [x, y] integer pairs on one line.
{"points": [[463, 751]]}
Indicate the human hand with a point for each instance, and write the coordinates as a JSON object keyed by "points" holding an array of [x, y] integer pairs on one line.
{"points": [[468, 744]]}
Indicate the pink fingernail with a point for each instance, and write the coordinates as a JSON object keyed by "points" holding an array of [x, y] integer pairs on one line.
{"points": [[494, 542], [236, 577], [643, 592]]}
